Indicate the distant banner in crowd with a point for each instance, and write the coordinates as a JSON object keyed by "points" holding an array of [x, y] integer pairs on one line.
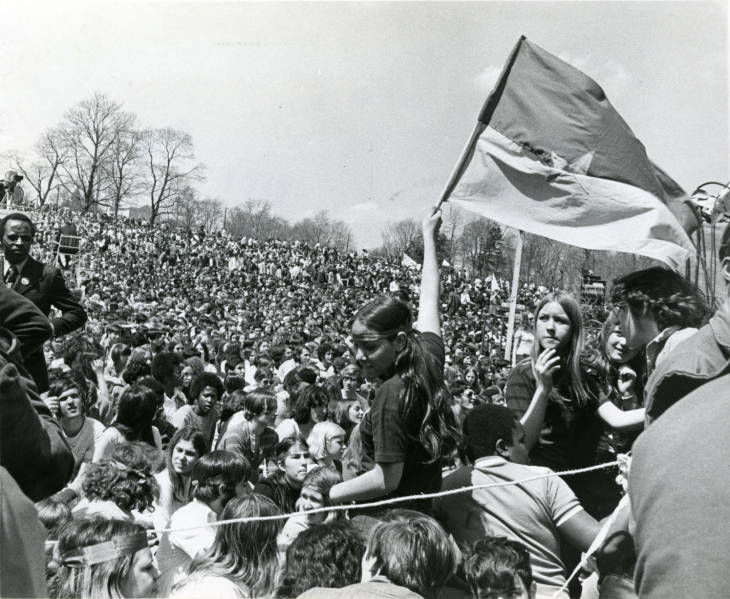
{"points": [[552, 157], [408, 262]]}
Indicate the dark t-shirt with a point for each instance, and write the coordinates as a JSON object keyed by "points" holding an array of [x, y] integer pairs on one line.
{"points": [[568, 435], [387, 438]]}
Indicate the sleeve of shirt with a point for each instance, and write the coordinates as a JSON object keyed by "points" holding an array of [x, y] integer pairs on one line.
{"points": [[178, 418], [519, 390], [390, 438], [562, 501]]}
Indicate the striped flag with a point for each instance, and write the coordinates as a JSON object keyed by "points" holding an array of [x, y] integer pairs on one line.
{"points": [[551, 156]]}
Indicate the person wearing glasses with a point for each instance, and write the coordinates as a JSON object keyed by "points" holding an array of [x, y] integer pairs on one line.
{"points": [[42, 284]]}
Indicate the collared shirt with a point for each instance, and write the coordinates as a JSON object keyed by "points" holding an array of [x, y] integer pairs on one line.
{"points": [[19, 267], [658, 348]]}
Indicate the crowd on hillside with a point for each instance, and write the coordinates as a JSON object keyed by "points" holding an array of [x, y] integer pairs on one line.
{"points": [[213, 379]]}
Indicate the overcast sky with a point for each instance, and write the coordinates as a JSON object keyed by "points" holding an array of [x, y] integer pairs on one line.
{"points": [[358, 108]]}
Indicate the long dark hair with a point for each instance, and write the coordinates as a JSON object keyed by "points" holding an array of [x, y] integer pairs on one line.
{"points": [[136, 410], [596, 362], [180, 491], [425, 396]]}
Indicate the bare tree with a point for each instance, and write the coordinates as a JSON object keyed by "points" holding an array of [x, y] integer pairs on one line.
{"points": [[481, 241], [453, 221], [254, 219], [169, 164], [210, 214], [42, 174], [122, 169], [403, 237], [341, 236], [89, 130]]}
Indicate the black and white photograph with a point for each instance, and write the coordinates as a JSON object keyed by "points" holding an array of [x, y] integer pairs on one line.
{"points": [[365, 300]]}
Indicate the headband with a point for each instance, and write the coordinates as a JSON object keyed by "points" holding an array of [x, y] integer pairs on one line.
{"points": [[385, 334], [106, 551]]}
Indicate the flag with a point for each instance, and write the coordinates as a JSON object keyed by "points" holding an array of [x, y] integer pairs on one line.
{"points": [[408, 262], [551, 156]]}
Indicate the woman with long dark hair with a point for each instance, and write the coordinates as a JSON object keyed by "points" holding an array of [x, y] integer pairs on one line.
{"points": [[184, 449], [133, 422], [409, 427]]}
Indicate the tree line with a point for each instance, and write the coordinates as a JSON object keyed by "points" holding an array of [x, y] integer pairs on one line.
{"points": [[98, 157]]}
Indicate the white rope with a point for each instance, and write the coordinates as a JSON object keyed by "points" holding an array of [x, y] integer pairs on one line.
{"points": [[394, 500]]}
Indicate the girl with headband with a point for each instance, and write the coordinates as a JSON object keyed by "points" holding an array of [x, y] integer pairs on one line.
{"points": [[409, 426]]}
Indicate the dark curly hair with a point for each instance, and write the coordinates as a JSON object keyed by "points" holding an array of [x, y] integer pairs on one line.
{"points": [[312, 396], [672, 299], [203, 380], [125, 479], [325, 555]]}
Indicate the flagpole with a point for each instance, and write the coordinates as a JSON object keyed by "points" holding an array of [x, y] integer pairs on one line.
{"points": [[462, 162], [513, 298]]}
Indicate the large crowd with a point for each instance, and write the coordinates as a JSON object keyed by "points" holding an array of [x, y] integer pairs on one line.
{"points": [[197, 386]]}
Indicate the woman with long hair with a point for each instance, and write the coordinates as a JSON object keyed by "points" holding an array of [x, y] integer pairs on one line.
{"points": [[348, 414], [327, 444], [310, 407], [619, 374], [133, 422], [410, 426], [104, 559], [548, 392], [184, 449], [243, 553]]}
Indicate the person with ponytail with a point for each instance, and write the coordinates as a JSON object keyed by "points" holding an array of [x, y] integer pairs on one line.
{"points": [[410, 425]]}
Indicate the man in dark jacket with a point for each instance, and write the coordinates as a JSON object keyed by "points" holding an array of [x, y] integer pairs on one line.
{"points": [[40, 283]]}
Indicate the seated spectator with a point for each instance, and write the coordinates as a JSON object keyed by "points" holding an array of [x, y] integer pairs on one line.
{"points": [[348, 414], [536, 513], [327, 444], [166, 368], [293, 461], [497, 567], [247, 431], [217, 477], [186, 447], [207, 390], [105, 559], [121, 486], [310, 407], [408, 556], [326, 555], [133, 422], [243, 554], [314, 495], [81, 432]]}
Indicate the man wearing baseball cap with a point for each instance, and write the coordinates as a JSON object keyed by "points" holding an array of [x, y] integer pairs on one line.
{"points": [[702, 358]]}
